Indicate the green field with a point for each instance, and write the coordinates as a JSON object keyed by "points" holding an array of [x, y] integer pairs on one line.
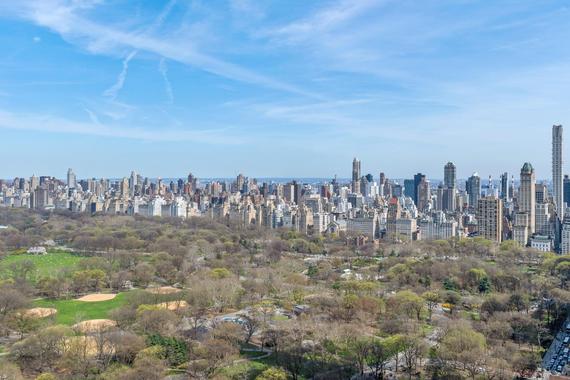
{"points": [[70, 312], [45, 265]]}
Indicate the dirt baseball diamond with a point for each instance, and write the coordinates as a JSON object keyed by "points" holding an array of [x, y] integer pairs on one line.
{"points": [[94, 325], [41, 312], [163, 290], [97, 297]]}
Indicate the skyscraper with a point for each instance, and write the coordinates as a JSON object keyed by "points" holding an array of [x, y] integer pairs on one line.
{"points": [[505, 186], [449, 175], [418, 179], [557, 177], [566, 186], [527, 195], [473, 189], [71, 179], [490, 218], [356, 176], [423, 193]]}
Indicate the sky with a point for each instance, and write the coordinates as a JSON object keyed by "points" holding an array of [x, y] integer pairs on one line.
{"points": [[281, 88]]}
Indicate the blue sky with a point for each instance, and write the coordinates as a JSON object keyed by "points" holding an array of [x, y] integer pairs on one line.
{"points": [[281, 88]]}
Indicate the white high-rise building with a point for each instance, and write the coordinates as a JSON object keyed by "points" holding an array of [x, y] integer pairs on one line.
{"points": [[557, 176], [527, 195], [71, 179]]}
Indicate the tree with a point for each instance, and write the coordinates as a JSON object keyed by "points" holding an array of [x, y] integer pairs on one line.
{"points": [[210, 355], [563, 270], [379, 356], [474, 276], [409, 303], [463, 348], [155, 320], [272, 373], [251, 324], [358, 352], [452, 299], [413, 349], [518, 302], [23, 323], [144, 368], [42, 349], [22, 270], [199, 300], [11, 300], [432, 300], [229, 332]]}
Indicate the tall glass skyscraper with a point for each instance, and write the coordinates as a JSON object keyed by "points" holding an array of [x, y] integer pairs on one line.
{"points": [[557, 175]]}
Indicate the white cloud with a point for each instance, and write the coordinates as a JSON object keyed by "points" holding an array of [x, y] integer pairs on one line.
{"points": [[325, 19], [54, 124], [104, 39], [113, 91], [163, 69]]}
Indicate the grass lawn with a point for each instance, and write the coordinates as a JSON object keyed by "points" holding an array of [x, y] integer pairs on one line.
{"points": [[70, 312], [45, 265]]}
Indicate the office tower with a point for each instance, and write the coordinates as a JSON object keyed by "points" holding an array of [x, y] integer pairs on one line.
{"points": [[133, 183], [557, 162], [124, 187], [193, 184], [396, 190], [449, 199], [541, 192], [450, 183], [566, 185], [240, 182], [473, 189], [521, 229], [527, 195], [356, 176], [423, 194], [409, 186], [439, 197], [298, 192], [382, 179], [34, 183], [505, 186], [490, 218], [543, 219], [71, 179], [289, 192], [449, 175], [418, 178]]}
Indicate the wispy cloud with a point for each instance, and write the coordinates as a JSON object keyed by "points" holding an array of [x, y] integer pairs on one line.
{"points": [[113, 91], [163, 69], [100, 38], [54, 124], [324, 20], [92, 116]]}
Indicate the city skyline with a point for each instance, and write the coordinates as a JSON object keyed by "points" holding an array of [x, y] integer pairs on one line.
{"points": [[280, 90]]}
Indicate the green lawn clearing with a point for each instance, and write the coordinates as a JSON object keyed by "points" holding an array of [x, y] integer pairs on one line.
{"points": [[45, 265], [70, 312]]}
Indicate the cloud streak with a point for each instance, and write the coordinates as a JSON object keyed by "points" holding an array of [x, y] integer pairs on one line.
{"points": [[113, 91], [53, 124], [99, 38], [163, 69]]}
